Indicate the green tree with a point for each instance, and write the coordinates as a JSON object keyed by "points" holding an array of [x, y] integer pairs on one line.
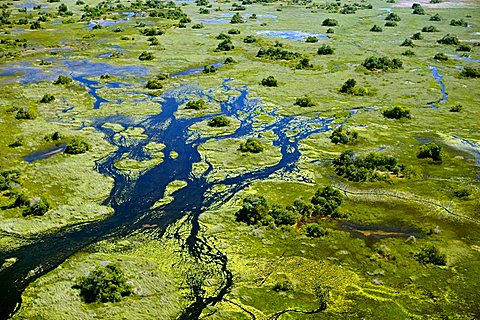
{"points": [[470, 72], [329, 22], [376, 28], [325, 49], [430, 150], [326, 200], [339, 135], [47, 98], [254, 211], [77, 146], [36, 207], [146, 56], [219, 121], [314, 230], [104, 284], [252, 145], [449, 39], [63, 80], [196, 104], [431, 255], [397, 113], [269, 81], [225, 45], [430, 29], [304, 102], [237, 18], [154, 84]]}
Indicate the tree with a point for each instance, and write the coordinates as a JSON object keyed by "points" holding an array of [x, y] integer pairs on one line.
{"points": [[269, 81], [470, 72], [382, 63], [348, 86], [449, 39], [407, 43], [209, 69], [431, 255], [229, 60], [223, 36], [219, 121], [330, 22], [25, 114], [436, 17], [458, 23], [304, 63], [392, 16], [237, 18], [440, 56], [390, 24], [408, 53], [104, 284], [464, 48], [314, 230], [254, 210], [154, 84], [456, 108], [397, 113], [35, 25], [77, 146], [252, 145], [419, 10], [417, 36], [233, 31], [304, 101], [376, 28], [47, 98], [430, 29], [325, 49], [196, 104], [339, 135], [311, 39], [430, 150], [249, 39], [63, 80], [36, 207], [282, 216], [326, 200], [146, 56]]}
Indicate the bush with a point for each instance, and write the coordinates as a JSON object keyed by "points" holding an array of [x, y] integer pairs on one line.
{"points": [[304, 102], [376, 28], [382, 63], [225, 45], [249, 39], [470, 72], [462, 193], [47, 98], [397, 113], [104, 284], [198, 26], [36, 207], [314, 230], [233, 31], [229, 60], [254, 211], [339, 135], [458, 23], [430, 150], [9, 179], [440, 57], [269, 81], [282, 216], [21, 201], [325, 49], [390, 24], [25, 114], [407, 43], [330, 22], [35, 25], [311, 39], [252, 145], [63, 80], [209, 69], [326, 200], [435, 17], [196, 104], [408, 53], [146, 56], [150, 32], [417, 36], [237, 18], [154, 84], [223, 36], [449, 39], [393, 17], [430, 29], [456, 108], [302, 208], [219, 121], [330, 30], [348, 86], [283, 286], [304, 63], [76, 146], [431, 255], [277, 54], [419, 10], [464, 48]]}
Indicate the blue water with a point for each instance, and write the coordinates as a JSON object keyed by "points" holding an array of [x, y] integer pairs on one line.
{"points": [[291, 35], [468, 59], [389, 10], [438, 77], [107, 23], [105, 55], [215, 21]]}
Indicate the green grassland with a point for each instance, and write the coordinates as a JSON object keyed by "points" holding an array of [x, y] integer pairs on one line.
{"points": [[369, 275]]}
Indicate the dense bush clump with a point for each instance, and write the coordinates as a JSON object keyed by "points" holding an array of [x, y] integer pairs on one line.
{"points": [[470, 72], [449, 39], [407, 43], [408, 53], [390, 24], [440, 56], [417, 36], [77, 146], [464, 48], [325, 49], [225, 45], [209, 69], [47, 98], [63, 80], [430, 29], [146, 56], [456, 108], [9, 179], [431, 255], [382, 63], [397, 113], [304, 102], [430, 150], [314, 230], [458, 23], [277, 54], [343, 136], [249, 39], [326, 201], [154, 84], [25, 114], [392, 16], [36, 207], [196, 104], [311, 39], [269, 81], [252, 145], [229, 60], [233, 31], [104, 284], [237, 18], [350, 87], [376, 28], [219, 121], [329, 22]]}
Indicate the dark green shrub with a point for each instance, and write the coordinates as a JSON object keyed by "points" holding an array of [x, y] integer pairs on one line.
{"points": [[21, 201], [392, 16], [397, 113], [254, 211], [302, 208], [77, 146], [225, 45], [56, 136], [430, 29], [104, 284], [458, 23], [252, 145], [63, 80], [304, 102], [311, 39], [382, 63], [219, 121], [204, 11], [223, 36], [237, 18], [462, 193], [35, 25], [154, 84], [330, 22], [440, 57], [435, 17], [150, 32], [339, 135], [282, 216], [470, 72], [249, 39], [198, 26], [277, 54], [233, 31], [431, 255], [47, 98], [464, 48], [283, 286], [229, 60], [196, 104], [9, 179], [209, 69], [330, 30], [408, 53], [25, 114], [146, 56], [419, 10], [326, 200], [314, 230], [269, 81], [407, 43], [36, 207], [390, 24], [304, 63], [430, 150], [417, 36], [376, 28], [325, 49], [449, 39], [348, 86], [456, 108]]}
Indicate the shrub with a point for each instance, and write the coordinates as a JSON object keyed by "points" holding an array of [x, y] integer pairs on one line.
{"points": [[104, 284], [462, 193], [223, 36], [146, 56], [282, 216], [440, 57], [225, 45], [376, 28], [150, 32], [21, 201], [449, 39], [154, 41], [419, 10], [63, 80], [229, 60], [314, 230], [254, 210], [283, 286], [382, 63], [456, 108], [407, 43], [196, 104], [464, 48], [269, 81], [417, 36], [435, 17], [8, 179], [277, 54], [430, 150], [198, 26], [304, 63], [249, 39], [330, 30], [390, 24], [252, 145], [237, 18], [430, 29], [47, 98], [25, 114], [392, 16], [37, 207], [325, 49], [470, 72], [219, 121], [330, 22], [154, 84], [458, 23], [431, 255], [326, 200], [397, 113], [408, 53], [304, 102], [233, 31], [35, 25], [209, 69], [348, 86], [311, 39], [339, 135], [77, 146]]}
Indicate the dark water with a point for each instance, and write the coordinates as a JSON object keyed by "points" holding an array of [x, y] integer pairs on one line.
{"points": [[438, 77], [373, 233], [43, 154], [132, 198]]}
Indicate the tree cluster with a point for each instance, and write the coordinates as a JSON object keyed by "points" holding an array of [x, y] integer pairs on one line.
{"points": [[304, 102], [397, 113], [196, 104], [219, 121], [382, 63], [430, 150], [252, 145], [277, 54], [343, 136], [77, 146]]}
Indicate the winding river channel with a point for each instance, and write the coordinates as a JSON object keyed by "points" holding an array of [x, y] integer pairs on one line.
{"points": [[133, 198]]}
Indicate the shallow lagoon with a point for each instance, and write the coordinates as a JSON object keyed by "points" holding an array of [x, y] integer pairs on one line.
{"points": [[291, 35]]}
